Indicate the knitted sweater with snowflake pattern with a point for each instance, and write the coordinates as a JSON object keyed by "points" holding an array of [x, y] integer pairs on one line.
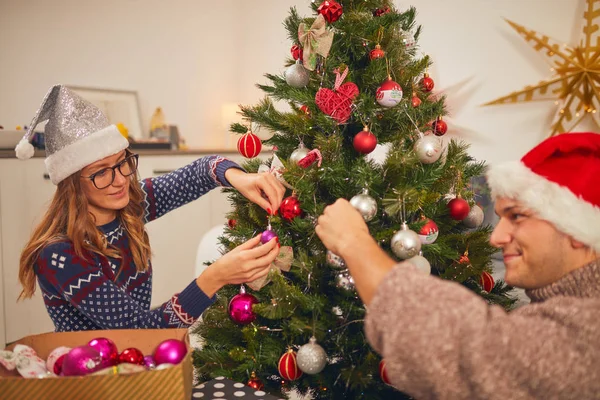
{"points": [[90, 293]]}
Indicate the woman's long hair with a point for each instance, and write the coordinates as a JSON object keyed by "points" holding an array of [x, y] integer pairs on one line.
{"points": [[67, 218]]}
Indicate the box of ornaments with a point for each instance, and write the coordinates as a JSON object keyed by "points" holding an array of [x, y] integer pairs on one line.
{"points": [[113, 364]]}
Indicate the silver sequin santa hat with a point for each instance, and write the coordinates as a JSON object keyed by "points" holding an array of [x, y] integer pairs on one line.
{"points": [[77, 134]]}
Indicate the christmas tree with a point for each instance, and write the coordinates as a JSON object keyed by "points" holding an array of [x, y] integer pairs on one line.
{"points": [[354, 80]]}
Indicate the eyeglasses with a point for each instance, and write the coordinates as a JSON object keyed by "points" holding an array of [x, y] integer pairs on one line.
{"points": [[106, 176]]}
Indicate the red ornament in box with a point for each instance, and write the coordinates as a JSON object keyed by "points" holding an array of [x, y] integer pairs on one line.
{"points": [[331, 10], [458, 208], [254, 382], [376, 53], [383, 372], [249, 145], [427, 83], [296, 52], [439, 127], [132, 356], [290, 208], [429, 232], [416, 101], [486, 281], [288, 366], [364, 142]]}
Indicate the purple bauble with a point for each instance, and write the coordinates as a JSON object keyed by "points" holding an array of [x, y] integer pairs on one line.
{"points": [[170, 351], [240, 307], [267, 236], [107, 349], [149, 362], [81, 360]]}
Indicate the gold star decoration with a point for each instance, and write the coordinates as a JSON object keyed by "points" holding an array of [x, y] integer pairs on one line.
{"points": [[575, 87]]}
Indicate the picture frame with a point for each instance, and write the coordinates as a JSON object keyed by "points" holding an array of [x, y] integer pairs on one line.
{"points": [[119, 106]]}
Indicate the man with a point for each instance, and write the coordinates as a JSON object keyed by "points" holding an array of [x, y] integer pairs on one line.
{"points": [[441, 341]]}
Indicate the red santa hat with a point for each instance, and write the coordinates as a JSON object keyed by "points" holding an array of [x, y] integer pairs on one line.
{"points": [[560, 180]]}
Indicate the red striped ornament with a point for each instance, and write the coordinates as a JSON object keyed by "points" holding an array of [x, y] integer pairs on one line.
{"points": [[383, 372], [486, 281], [249, 145], [288, 366]]}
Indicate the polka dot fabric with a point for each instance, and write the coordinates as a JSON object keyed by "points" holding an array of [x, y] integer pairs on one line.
{"points": [[221, 388]]}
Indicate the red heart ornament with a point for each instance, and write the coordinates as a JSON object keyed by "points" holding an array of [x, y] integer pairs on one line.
{"points": [[337, 104]]}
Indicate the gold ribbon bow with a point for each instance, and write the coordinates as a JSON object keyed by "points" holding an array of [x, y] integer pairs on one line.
{"points": [[316, 40], [283, 262]]}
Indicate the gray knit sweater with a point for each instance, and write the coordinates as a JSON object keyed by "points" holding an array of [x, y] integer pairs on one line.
{"points": [[441, 341]]}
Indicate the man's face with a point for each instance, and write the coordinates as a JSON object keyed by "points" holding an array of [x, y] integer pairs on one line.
{"points": [[535, 252]]}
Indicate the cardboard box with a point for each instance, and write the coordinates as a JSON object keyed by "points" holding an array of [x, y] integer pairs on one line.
{"points": [[171, 383]]}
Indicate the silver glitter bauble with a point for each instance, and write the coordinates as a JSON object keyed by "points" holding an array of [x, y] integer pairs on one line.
{"points": [[365, 204], [296, 75], [405, 243], [428, 149], [474, 218], [311, 357], [335, 261], [420, 263], [344, 280], [299, 153]]}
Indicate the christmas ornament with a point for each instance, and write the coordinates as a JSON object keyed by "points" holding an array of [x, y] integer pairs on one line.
{"points": [[405, 243], [231, 223], [311, 357], [331, 10], [439, 127], [381, 11], [310, 158], [428, 149], [283, 262], [56, 359], [429, 232], [254, 382], [131, 356], [304, 108], [427, 83], [149, 362], [296, 75], [314, 40], [249, 145], [576, 74], [408, 38], [267, 236], [337, 103], [299, 153], [365, 204], [364, 142], [486, 281], [290, 208], [240, 307], [475, 217], [171, 351], [376, 53], [458, 208], [107, 349], [464, 259], [389, 93], [420, 263], [25, 360], [81, 360], [288, 366], [416, 101], [344, 280], [296, 52], [383, 373], [335, 261]]}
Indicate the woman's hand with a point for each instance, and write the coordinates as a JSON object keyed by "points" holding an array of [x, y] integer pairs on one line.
{"points": [[246, 263], [341, 226], [262, 188]]}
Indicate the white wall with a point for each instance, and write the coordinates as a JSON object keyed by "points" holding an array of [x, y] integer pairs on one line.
{"points": [[192, 57]]}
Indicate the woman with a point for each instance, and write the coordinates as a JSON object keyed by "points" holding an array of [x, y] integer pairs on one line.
{"points": [[90, 253]]}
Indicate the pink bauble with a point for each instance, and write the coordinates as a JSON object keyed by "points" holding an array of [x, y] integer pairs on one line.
{"points": [[107, 349], [170, 351], [240, 308], [149, 362], [267, 236], [81, 360]]}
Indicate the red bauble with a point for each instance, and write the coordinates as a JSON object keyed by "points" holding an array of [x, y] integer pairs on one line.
{"points": [[427, 83], [232, 223], [486, 281], [288, 366], [290, 208], [132, 356], [249, 145], [296, 52], [255, 383], [439, 127], [458, 208], [383, 372], [381, 11], [304, 108], [429, 232], [464, 260], [364, 142], [416, 101], [331, 10], [376, 53]]}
